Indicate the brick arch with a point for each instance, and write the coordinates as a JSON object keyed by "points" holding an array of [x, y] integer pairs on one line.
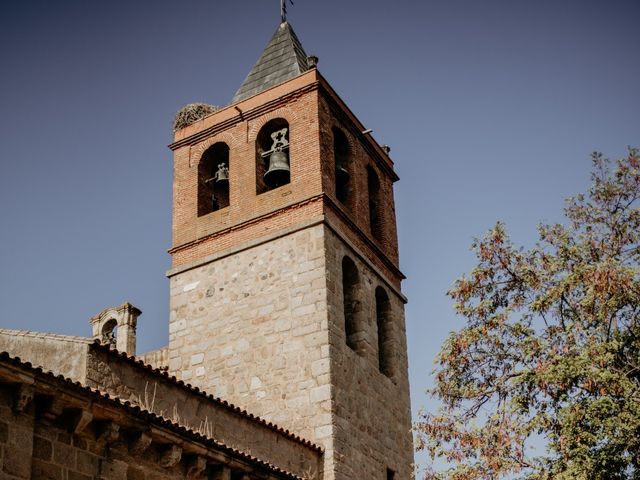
{"points": [[347, 134], [198, 150], [284, 112]]}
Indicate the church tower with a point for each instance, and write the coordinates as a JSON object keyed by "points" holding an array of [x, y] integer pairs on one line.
{"points": [[285, 289]]}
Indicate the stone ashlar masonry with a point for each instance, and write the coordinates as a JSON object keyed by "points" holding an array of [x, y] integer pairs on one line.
{"points": [[264, 307], [372, 411], [264, 328], [51, 428], [252, 328], [61, 354]]}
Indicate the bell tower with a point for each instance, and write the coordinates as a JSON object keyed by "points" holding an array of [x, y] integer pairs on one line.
{"points": [[285, 289]]}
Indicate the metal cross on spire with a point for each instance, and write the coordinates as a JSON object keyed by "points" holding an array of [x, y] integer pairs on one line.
{"points": [[283, 10]]}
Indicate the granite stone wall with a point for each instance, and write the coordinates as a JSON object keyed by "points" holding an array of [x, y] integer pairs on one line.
{"points": [[61, 354], [371, 410], [252, 328], [264, 329]]}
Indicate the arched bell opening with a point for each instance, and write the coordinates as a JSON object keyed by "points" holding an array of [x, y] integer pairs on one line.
{"points": [[272, 156], [352, 305], [213, 179], [385, 332], [375, 207], [342, 163], [109, 334]]}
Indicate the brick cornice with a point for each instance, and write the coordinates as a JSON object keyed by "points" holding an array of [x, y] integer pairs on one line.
{"points": [[327, 202], [245, 115], [245, 224]]}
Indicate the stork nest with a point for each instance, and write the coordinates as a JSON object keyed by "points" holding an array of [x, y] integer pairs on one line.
{"points": [[190, 114]]}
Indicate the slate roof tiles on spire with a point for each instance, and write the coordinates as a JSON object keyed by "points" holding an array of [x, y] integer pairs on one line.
{"points": [[282, 59]]}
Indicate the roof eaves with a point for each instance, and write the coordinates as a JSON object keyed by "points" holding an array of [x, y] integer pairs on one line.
{"points": [[138, 411]]}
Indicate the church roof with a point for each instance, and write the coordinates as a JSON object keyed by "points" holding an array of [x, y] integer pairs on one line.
{"points": [[48, 383], [282, 59]]}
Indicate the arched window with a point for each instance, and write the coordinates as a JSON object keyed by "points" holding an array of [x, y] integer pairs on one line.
{"points": [[351, 302], [375, 213], [109, 332], [385, 337], [213, 179], [342, 164], [272, 156]]}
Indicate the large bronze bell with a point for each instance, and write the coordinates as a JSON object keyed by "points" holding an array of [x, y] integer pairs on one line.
{"points": [[279, 172]]}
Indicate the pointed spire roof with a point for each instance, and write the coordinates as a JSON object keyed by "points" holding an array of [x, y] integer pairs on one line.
{"points": [[282, 59]]}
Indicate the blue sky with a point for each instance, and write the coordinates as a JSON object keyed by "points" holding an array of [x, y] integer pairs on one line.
{"points": [[491, 110]]}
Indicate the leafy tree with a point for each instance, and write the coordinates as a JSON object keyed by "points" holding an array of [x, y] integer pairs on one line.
{"points": [[550, 352]]}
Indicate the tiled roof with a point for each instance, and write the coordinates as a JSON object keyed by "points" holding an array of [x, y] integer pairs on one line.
{"points": [[141, 413], [196, 391], [282, 59]]}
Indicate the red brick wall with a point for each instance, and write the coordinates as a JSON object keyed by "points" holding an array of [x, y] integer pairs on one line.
{"points": [[312, 109]]}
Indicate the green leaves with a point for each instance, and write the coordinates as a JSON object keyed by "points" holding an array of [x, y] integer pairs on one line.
{"points": [[551, 347]]}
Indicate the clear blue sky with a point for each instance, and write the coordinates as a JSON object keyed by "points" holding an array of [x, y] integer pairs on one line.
{"points": [[491, 109]]}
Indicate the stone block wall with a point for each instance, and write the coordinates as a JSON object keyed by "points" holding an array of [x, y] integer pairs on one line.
{"points": [[372, 410], [264, 328], [16, 440], [61, 354], [252, 328], [118, 376], [156, 358]]}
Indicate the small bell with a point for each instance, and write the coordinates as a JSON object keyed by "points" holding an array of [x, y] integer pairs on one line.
{"points": [[222, 175], [279, 172]]}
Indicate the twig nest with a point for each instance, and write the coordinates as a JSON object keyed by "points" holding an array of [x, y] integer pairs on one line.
{"points": [[190, 114]]}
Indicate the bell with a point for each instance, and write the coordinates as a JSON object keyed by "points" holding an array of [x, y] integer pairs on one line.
{"points": [[222, 175], [279, 171]]}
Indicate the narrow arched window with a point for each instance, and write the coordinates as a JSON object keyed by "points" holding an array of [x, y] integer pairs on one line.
{"points": [[385, 337], [341, 156], [351, 302], [213, 179], [272, 156], [375, 212]]}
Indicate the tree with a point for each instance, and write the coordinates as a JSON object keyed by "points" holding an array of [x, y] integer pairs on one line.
{"points": [[550, 351]]}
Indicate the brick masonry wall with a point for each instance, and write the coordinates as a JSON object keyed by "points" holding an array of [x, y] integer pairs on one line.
{"points": [[245, 204], [357, 206]]}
